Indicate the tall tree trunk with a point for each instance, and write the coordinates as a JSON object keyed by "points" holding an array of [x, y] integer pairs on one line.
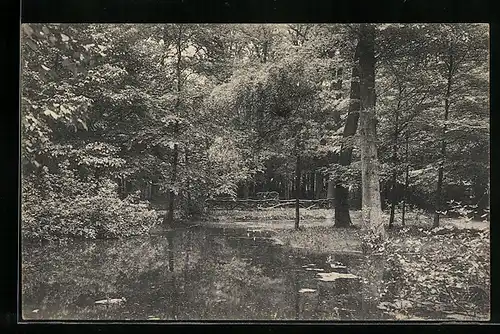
{"points": [[443, 141], [337, 121], [407, 174], [188, 187], [394, 180], [169, 217], [297, 190], [371, 205], [342, 216]]}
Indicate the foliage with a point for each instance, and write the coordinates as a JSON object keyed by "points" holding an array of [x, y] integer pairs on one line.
{"points": [[111, 102], [441, 270], [66, 208]]}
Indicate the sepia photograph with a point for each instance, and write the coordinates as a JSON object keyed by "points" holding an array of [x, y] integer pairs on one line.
{"points": [[255, 172]]}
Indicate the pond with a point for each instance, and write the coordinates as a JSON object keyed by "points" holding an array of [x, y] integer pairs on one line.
{"points": [[193, 274]]}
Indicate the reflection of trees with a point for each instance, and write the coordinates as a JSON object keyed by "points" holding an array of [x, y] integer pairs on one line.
{"points": [[296, 289], [174, 300], [371, 269], [85, 271], [183, 275]]}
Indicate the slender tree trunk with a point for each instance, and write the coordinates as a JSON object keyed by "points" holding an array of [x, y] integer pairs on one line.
{"points": [[169, 217], [342, 216], [331, 194], [246, 190], [318, 185], [287, 187], [407, 174], [443, 140], [312, 182], [371, 205], [297, 190], [394, 197], [310, 191], [188, 187]]}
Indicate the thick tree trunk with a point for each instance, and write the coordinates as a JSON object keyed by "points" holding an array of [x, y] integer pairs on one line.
{"points": [[443, 141], [297, 191], [342, 216], [371, 205], [407, 174]]}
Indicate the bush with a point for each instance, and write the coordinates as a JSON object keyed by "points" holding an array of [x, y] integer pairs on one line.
{"points": [[440, 272], [89, 214]]}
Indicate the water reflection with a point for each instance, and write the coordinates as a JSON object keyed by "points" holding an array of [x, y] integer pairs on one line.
{"points": [[190, 275]]}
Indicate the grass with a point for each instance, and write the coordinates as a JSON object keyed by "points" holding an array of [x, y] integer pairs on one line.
{"points": [[316, 232], [320, 239], [324, 217], [271, 214]]}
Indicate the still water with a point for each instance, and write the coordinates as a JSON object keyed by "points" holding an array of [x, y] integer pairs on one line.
{"points": [[193, 274]]}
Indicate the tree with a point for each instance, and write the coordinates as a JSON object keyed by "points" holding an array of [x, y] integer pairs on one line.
{"points": [[342, 216], [463, 48], [371, 205]]}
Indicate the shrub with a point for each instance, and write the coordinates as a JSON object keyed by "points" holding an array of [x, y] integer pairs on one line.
{"points": [[67, 212], [436, 271]]}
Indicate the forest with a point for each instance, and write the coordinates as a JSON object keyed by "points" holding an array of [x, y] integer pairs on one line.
{"points": [[369, 138]]}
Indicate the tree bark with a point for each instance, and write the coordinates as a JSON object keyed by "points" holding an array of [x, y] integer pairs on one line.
{"points": [[287, 187], [297, 191], [331, 194], [318, 185], [169, 217], [342, 216], [407, 174], [443, 141], [394, 180], [371, 205], [188, 186]]}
